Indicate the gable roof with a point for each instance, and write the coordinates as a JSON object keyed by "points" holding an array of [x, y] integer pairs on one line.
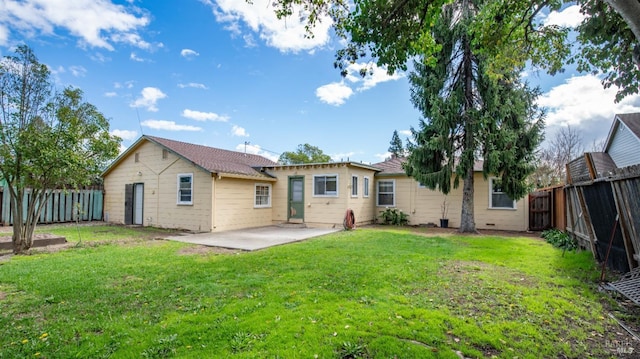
{"points": [[630, 120], [393, 166], [209, 159]]}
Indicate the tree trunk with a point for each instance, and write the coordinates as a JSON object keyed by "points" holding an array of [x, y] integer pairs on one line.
{"points": [[23, 229], [467, 218]]}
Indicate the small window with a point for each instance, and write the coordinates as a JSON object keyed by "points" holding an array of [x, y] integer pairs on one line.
{"points": [[262, 196], [498, 198], [165, 154], [354, 186], [325, 186], [136, 157], [386, 193], [365, 187], [185, 188]]}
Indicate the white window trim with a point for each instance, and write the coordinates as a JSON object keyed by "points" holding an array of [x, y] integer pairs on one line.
{"points": [[354, 188], [393, 181], [491, 198], [365, 186], [180, 175], [336, 194], [255, 196]]}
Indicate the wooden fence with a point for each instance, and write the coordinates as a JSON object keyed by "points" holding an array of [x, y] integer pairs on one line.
{"points": [[62, 206], [604, 214], [547, 209]]}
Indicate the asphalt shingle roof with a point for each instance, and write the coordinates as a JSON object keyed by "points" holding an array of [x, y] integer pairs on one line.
{"points": [[215, 160], [394, 166]]}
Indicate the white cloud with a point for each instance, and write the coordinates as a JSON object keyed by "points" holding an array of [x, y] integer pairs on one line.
{"points": [[335, 93], [239, 131], [256, 150], [135, 57], [188, 53], [342, 157], [568, 17], [110, 94], [78, 71], [583, 103], [374, 75], [382, 156], [286, 34], [405, 132], [168, 126], [98, 23], [204, 116], [125, 134], [193, 85], [148, 98]]}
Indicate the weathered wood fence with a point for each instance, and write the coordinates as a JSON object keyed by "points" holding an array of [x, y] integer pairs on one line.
{"points": [[604, 214], [62, 206]]}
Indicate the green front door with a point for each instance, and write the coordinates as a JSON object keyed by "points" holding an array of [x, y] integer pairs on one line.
{"points": [[296, 198]]}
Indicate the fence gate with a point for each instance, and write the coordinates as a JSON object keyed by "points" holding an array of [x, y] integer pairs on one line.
{"points": [[540, 211]]}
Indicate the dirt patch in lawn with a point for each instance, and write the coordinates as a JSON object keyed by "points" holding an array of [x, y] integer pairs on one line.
{"points": [[206, 250]]}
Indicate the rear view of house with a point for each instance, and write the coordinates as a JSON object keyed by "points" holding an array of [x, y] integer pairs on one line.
{"points": [[171, 184]]}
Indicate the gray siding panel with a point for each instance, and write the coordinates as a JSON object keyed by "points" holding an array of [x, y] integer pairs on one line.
{"points": [[625, 147]]}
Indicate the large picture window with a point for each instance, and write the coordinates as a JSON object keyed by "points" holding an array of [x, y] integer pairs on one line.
{"points": [[262, 196], [386, 193], [326, 185], [498, 198], [185, 188]]}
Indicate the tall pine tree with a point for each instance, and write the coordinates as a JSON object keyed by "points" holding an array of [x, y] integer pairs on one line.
{"points": [[395, 146], [469, 115]]}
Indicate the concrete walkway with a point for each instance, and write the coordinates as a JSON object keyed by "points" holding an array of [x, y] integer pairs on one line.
{"points": [[253, 238]]}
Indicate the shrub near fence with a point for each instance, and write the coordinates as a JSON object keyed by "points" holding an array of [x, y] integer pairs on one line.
{"points": [[62, 206]]}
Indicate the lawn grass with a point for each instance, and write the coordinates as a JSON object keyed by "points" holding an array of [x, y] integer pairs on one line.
{"points": [[365, 293]]}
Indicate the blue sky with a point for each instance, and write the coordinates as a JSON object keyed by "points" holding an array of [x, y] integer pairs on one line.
{"points": [[224, 73]]}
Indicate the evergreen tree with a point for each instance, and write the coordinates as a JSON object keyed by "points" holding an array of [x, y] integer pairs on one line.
{"points": [[469, 115], [396, 147]]}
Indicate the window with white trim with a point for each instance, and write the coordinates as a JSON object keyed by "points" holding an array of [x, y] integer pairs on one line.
{"points": [[365, 187], [354, 186], [325, 186], [386, 193], [262, 196], [497, 197], [185, 188]]}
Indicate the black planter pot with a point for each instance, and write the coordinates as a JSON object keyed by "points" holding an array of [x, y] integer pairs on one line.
{"points": [[444, 223]]}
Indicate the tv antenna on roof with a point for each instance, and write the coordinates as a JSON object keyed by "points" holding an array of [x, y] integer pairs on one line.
{"points": [[245, 147]]}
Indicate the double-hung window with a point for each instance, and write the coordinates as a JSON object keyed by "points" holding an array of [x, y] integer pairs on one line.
{"points": [[325, 186], [386, 193], [185, 188], [498, 198], [262, 196]]}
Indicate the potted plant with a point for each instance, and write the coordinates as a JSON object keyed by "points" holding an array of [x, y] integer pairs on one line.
{"points": [[444, 210]]}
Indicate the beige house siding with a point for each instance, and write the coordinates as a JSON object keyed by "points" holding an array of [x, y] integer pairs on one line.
{"points": [[234, 209], [424, 205], [160, 179], [324, 210]]}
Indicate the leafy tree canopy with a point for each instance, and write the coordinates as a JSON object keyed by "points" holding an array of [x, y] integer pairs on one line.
{"points": [[304, 154], [48, 140], [510, 33]]}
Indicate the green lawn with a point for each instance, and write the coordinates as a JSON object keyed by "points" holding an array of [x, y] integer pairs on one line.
{"points": [[367, 293]]}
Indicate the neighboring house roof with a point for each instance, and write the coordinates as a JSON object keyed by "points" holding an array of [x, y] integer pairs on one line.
{"points": [[209, 159], [630, 120], [602, 163], [393, 166]]}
